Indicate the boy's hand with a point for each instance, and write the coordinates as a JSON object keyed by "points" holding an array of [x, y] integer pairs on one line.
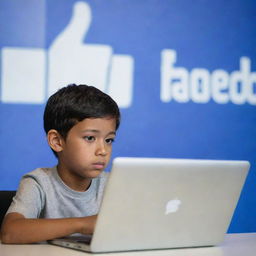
{"points": [[88, 224]]}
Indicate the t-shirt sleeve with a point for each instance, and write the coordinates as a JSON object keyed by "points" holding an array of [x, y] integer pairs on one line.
{"points": [[29, 199]]}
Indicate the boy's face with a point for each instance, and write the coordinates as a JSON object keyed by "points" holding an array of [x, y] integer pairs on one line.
{"points": [[87, 149]]}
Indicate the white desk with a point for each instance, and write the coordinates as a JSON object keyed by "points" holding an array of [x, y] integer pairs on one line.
{"points": [[234, 245]]}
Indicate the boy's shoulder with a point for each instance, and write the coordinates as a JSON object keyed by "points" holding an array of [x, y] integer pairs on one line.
{"points": [[51, 173], [41, 174], [44, 171]]}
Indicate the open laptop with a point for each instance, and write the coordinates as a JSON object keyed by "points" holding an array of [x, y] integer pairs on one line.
{"points": [[152, 203]]}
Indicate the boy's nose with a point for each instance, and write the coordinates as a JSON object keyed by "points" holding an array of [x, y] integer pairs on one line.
{"points": [[101, 149]]}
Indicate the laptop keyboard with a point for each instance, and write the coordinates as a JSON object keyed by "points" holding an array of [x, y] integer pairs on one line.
{"points": [[85, 239]]}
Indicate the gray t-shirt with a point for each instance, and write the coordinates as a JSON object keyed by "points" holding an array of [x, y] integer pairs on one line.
{"points": [[42, 194]]}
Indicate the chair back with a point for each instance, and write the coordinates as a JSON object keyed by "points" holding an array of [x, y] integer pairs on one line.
{"points": [[5, 201]]}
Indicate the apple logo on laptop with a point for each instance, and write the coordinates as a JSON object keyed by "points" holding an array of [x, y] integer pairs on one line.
{"points": [[172, 206]]}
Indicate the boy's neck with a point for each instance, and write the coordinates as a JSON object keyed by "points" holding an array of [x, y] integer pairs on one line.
{"points": [[74, 182]]}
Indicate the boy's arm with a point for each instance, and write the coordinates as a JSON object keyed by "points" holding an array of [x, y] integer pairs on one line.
{"points": [[17, 229]]}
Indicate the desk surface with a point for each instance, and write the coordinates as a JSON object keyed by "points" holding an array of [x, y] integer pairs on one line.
{"points": [[233, 245]]}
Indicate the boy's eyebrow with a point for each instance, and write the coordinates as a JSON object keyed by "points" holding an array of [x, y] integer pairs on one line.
{"points": [[97, 131]]}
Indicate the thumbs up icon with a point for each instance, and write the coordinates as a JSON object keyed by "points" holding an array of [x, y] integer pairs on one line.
{"points": [[70, 60]]}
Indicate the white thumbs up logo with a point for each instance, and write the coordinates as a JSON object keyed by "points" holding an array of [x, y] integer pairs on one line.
{"points": [[70, 60]]}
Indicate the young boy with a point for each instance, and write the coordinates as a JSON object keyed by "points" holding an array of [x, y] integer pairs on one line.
{"points": [[80, 123]]}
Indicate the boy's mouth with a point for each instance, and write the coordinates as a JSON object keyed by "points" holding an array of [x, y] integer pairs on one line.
{"points": [[99, 165]]}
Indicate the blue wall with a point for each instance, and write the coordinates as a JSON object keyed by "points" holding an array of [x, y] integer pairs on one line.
{"points": [[183, 73]]}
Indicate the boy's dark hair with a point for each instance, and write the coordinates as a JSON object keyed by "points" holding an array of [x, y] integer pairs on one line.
{"points": [[73, 104]]}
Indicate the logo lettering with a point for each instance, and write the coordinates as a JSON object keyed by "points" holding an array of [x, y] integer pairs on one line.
{"points": [[201, 86]]}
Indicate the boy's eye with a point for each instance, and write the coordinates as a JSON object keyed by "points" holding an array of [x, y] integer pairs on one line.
{"points": [[89, 138], [110, 140]]}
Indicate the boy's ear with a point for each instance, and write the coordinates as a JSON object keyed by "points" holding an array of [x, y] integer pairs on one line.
{"points": [[55, 140]]}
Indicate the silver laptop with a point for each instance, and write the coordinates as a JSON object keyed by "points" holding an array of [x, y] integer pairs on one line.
{"points": [[152, 203]]}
